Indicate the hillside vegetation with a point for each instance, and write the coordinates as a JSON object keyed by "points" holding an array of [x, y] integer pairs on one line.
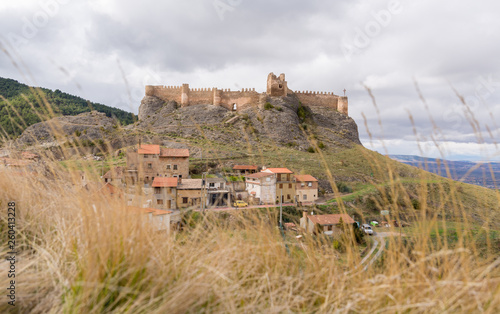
{"points": [[22, 106]]}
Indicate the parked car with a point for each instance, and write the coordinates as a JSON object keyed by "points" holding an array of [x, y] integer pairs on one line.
{"points": [[367, 229], [240, 204], [374, 223]]}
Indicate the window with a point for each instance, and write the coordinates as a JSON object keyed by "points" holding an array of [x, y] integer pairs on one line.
{"points": [[268, 179], [159, 202], [150, 166], [168, 167], [309, 184], [235, 107], [157, 190], [281, 185], [288, 196], [289, 185], [302, 184], [184, 200], [279, 177], [305, 196], [211, 185], [145, 156], [175, 167]]}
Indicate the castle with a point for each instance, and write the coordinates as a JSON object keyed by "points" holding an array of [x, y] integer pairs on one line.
{"points": [[238, 100]]}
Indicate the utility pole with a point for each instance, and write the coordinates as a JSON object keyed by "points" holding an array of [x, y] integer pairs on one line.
{"points": [[281, 209], [203, 181]]}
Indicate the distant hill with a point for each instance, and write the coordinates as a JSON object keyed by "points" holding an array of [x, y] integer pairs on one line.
{"points": [[23, 99], [482, 174]]}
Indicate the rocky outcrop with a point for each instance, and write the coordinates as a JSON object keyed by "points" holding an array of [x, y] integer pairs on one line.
{"points": [[89, 126], [281, 120]]}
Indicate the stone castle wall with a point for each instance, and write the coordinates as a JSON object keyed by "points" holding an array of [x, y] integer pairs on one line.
{"points": [[238, 100]]}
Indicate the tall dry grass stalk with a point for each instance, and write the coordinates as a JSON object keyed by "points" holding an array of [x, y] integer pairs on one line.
{"points": [[81, 251]]}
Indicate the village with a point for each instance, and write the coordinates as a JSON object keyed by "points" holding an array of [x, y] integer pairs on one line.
{"points": [[156, 183]]}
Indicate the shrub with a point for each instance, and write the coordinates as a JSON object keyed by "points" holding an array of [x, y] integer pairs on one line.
{"points": [[268, 106], [279, 108], [78, 133], [321, 145], [311, 149], [343, 188]]}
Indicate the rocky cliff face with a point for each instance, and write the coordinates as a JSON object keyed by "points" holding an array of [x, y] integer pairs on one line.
{"points": [[90, 126], [282, 120]]}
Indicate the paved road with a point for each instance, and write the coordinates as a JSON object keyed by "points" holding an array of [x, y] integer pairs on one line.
{"points": [[216, 209]]}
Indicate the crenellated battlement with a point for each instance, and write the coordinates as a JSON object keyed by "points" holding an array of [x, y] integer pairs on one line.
{"points": [[246, 97]]}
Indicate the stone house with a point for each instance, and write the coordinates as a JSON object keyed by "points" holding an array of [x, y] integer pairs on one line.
{"points": [[217, 192], [284, 184], [161, 220], [261, 187], [306, 188], [244, 169], [114, 176], [189, 193], [326, 224], [147, 162], [164, 194]]}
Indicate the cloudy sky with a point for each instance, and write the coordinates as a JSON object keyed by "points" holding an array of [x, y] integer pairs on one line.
{"points": [[107, 50]]}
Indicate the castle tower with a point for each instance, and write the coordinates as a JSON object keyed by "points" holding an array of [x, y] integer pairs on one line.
{"points": [[342, 105], [217, 97], [185, 95], [150, 91], [276, 87]]}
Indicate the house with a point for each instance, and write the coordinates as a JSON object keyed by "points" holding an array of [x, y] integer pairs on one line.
{"points": [[326, 224], [110, 190], [147, 162], [189, 193], [217, 192], [261, 187], [285, 186], [114, 176], [245, 169], [164, 194], [306, 188], [161, 220]]}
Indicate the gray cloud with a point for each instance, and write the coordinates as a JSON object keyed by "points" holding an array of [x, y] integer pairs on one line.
{"points": [[320, 45]]}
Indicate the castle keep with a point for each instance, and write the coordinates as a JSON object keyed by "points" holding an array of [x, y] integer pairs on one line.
{"points": [[238, 100]]}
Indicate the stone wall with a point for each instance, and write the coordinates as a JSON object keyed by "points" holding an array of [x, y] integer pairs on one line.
{"points": [[238, 100]]}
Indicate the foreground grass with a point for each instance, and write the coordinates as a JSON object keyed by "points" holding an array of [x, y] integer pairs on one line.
{"points": [[82, 252]]}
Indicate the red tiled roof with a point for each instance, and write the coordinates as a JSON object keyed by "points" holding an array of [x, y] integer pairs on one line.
{"points": [[330, 219], [259, 175], [160, 182], [154, 211], [174, 152], [148, 149], [304, 178], [110, 189], [28, 155], [278, 170], [244, 167]]}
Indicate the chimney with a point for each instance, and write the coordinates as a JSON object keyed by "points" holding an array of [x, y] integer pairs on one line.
{"points": [[179, 180], [264, 167], [139, 143], [304, 214]]}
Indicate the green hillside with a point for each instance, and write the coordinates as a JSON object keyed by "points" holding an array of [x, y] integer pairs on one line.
{"points": [[22, 106]]}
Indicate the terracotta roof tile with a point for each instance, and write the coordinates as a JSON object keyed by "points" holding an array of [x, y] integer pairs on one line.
{"points": [[160, 182], [304, 178], [148, 149], [259, 175], [330, 219], [278, 170]]}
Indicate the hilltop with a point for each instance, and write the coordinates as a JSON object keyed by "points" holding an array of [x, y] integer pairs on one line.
{"points": [[17, 113]]}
